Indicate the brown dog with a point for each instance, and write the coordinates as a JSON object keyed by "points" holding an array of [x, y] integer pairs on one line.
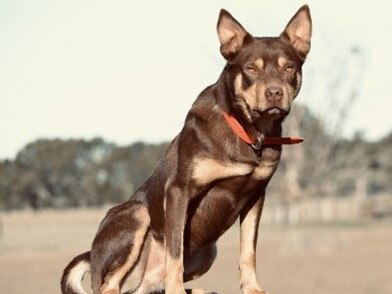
{"points": [[210, 175]]}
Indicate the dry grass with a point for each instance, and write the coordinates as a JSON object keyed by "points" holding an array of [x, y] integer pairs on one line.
{"points": [[318, 259]]}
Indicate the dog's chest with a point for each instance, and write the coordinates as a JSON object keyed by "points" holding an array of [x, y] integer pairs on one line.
{"points": [[208, 170], [265, 170], [268, 164], [229, 185]]}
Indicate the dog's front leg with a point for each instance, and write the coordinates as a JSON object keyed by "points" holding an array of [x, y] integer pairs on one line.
{"points": [[175, 214], [249, 219]]}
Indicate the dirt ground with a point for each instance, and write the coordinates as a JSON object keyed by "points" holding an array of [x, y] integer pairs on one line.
{"points": [[306, 259]]}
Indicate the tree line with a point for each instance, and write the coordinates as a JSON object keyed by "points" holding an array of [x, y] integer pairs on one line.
{"points": [[55, 173]]}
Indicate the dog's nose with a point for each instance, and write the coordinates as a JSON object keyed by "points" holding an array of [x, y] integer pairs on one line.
{"points": [[273, 93]]}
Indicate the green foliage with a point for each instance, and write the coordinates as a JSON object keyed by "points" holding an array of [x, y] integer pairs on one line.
{"points": [[73, 173]]}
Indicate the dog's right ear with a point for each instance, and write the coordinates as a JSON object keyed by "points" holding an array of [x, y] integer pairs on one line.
{"points": [[231, 35]]}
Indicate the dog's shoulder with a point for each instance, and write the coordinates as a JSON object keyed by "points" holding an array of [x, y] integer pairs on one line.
{"points": [[205, 105]]}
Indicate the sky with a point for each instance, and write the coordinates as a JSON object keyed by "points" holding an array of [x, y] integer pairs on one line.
{"points": [[130, 70]]}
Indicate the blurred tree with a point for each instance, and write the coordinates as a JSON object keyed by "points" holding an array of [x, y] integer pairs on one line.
{"points": [[73, 173]]}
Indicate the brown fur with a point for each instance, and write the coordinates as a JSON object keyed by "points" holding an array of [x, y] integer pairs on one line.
{"points": [[165, 233]]}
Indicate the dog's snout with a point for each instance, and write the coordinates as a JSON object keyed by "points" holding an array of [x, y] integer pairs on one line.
{"points": [[274, 93]]}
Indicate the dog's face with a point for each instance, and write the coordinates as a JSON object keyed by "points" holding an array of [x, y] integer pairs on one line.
{"points": [[265, 73]]}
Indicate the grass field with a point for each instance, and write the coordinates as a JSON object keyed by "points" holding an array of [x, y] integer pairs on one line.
{"points": [[311, 259]]}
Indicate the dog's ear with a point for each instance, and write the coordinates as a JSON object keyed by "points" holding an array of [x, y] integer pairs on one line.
{"points": [[299, 31], [231, 35]]}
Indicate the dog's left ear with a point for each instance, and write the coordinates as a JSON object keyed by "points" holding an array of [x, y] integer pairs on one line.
{"points": [[299, 31], [231, 35]]}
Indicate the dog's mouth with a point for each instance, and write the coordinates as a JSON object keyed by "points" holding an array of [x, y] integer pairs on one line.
{"points": [[272, 111], [277, 111]]}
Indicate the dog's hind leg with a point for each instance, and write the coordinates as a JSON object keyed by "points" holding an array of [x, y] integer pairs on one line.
{"points": [[117, 246]]}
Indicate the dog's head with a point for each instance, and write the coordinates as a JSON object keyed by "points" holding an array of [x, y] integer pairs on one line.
{"points": [[264, 74]]}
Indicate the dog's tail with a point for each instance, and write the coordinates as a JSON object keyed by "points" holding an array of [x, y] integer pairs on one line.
{"points": [[71, 281]]}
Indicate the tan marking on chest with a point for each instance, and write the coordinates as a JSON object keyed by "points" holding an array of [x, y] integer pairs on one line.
{"points": [[207, 170], [265, 169]]}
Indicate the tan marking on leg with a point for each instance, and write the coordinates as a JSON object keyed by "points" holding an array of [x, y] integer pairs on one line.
{"points": [[247, 263], [113, 280], [174, 274], [154, 274], [259, 62], [174, 270], [207, 170], [247, 257], [135, 278], [177, 203]]}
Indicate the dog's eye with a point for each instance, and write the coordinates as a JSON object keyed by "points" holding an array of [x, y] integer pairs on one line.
{"points": [[251, 69]]}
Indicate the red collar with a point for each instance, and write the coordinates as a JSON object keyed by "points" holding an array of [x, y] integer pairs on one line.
{"points": [[240, 132]]}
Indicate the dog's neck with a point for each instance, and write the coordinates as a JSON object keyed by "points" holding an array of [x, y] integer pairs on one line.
{"points": [[270, 126]]}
